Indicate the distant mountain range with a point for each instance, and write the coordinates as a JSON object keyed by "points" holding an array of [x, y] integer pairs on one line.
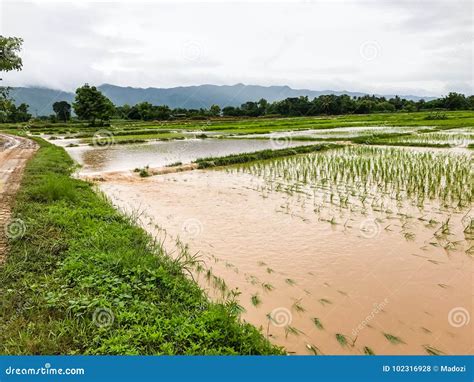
{"points": [[190, 97]]}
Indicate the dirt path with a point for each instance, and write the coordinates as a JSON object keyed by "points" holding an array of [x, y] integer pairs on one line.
{"points": [[14, 153]]}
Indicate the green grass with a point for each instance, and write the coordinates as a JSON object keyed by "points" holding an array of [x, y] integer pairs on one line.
{"points": [[259, 155], [81, 263], [228, 127]]}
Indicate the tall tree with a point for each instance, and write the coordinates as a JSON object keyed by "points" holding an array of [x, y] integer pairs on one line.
{"points": [[91, 105], [10, 48], [62, 110], [455, 101], [215, 110]]}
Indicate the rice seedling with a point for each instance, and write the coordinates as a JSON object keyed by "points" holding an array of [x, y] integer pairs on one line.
{"points": [[290, 282], [432, 350], [393, 339], [368, 351], [324, 301], [313, 349], [267, 287], [298, 307], [391, 183], [252, 279], [292, 330], [317, 322], [256, 300], [208, 275], [342, 339]]}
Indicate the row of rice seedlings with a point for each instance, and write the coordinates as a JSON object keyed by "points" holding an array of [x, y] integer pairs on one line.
{"points": [[367, 171], [461, 138], [388, 181]]}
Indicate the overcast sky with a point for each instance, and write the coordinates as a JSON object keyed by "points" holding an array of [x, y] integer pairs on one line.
{"points": [[386, 47]]}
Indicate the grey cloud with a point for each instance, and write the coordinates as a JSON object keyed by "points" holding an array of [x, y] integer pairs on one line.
{"points": [[425, 46]]}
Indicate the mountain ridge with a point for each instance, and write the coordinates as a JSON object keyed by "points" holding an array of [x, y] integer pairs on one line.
{"points": [[41, 99]]}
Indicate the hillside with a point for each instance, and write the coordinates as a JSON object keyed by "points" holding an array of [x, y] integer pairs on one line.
{"points": [[202, 96]]}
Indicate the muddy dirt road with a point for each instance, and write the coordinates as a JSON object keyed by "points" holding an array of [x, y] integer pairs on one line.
{"points": [[14, 153]]}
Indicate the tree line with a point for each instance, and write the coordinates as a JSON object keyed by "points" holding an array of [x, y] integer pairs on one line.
{"points": [[91, 105]]}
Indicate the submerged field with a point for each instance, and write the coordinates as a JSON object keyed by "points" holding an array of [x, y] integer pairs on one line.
{"points": [[348, 251], [351, 245]]}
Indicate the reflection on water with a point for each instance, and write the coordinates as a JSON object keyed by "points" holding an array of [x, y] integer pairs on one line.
{"points": [[162, 153]]}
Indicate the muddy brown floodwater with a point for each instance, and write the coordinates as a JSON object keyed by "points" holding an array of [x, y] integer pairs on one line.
{"points": [[335, 289]]}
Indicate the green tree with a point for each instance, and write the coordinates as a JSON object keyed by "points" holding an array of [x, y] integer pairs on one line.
{"points": [[19, 113], [10, 47], [215, 110], [62, 110], [455, 101], [91, 105], [9, 112], [263, 106]]}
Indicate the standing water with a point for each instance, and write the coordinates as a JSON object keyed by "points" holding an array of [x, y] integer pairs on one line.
{"points": [[352, 251]]}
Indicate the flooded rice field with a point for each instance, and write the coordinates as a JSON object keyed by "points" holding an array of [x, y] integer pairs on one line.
{"points": [[454, 137], [96, 159], [356, 250], [338, 132]]}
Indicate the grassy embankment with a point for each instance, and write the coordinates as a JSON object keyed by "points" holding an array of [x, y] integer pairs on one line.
{"points": [[260, 155], [83, 279]]}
